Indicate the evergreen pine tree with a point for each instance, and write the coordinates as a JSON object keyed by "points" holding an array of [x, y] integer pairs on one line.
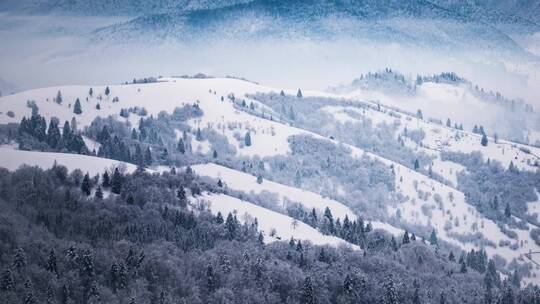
{"points": [[433, 238], [219, 218], [86, 186], [91, 92], [451, 257], [181, 148], [389, 291], [116, 182], [99, 192], [394, 244], [299, 94], [507, 210], [307, 292], [107, 91], [98, 106], [484, 140], [105, 180], [58, 98], [19, 260], [214, 154], [416, 164], [247, 139], [77, 109], [259, 179], [51, 263], [406, 237], [53, 134], [198, 135]]}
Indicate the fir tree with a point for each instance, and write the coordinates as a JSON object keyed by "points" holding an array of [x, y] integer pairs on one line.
{"points": [[406, 237], [451, 257], [107, 91], [116, 182], [230, 226], [259, 179], [181, 148], [247, 139], [416, 164], [51, 263], [86, 186], [91, 92], [53, 134], [389, 291], [198, 135], [58, 98], [484, 140], [214, 154], [219, 183], [219, 218], [507, 212], [105, 180], [394, 244], [98, 106], [433, 238], [463, 268], [99, 192], [77, 109], [307, 292], [299, 94], [19, 260]]}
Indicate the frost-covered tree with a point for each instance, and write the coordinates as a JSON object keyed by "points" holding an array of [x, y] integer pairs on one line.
{"points": [[299, 94], [77, 109], [484, 140], [86, 185], [116, 182], [247, 139]]}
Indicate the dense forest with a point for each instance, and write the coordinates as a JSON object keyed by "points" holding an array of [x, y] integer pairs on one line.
{"points": [[67, 237]]}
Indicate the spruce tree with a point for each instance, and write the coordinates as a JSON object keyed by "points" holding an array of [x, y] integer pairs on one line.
{"points": [[259, 179], [53, 134], [58, 98], [247, 139], [105, 180], [107, 91], [181, 148], [416, 164], [389, 291], [91, 92], [507, 212], [51, 263], [116, 182], [214, 154], [307, 292], [198, 135], [406, 237], [86, 186], [99, 192], [77, 109], [433, 238], [484, 141], [299, 94]]}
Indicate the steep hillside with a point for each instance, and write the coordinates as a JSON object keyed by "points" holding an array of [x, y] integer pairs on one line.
{"points": [[304, 157]]}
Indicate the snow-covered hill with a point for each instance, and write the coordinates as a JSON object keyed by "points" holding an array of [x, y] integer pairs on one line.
{"points": [[426, 202]]}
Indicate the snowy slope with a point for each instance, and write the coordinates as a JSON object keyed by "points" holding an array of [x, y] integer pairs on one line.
{"points": [[248, 183], [428, 202], [285, 227], [12, 159]]}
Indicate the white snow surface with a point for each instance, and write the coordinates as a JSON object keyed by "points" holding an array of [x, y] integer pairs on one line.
{"points": [[284, 226], [12, 159], [241, 181]]}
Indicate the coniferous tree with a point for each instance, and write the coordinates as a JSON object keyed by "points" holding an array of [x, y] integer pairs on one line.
{"points": [[214, 154], [53, 134], [107, 91], [451, 256], [105, 179], [52, 265], [219, 183], [307, 292], [77, 109], [416, 164], [299, 94], [86, 186], [230, 226], [394, 244], [219, 218], [98, 106], [19, 260], [484, 141], [181, 148], [116, 182], [198, 135], [99, 192], [433, 238], [58, 98], [389, 291], [507, 212], [91, 92], [259, 179], [247, 139], [406, 239], [463, 268]]}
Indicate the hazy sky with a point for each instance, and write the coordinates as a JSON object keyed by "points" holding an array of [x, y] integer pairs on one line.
{"points": [[45, 51]]}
